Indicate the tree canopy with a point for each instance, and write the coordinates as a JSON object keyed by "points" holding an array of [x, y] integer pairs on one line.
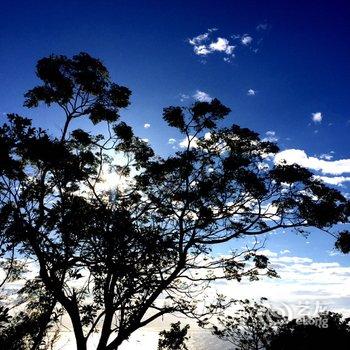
{"points": [[327, 330], [114, 260], [256, 326], [251, 327]]}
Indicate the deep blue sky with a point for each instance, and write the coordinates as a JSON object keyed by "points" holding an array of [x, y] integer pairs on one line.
{"points": [[301, 66]]}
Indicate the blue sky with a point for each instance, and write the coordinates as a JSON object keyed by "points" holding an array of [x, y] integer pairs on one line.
{"points": [[293, 57]]}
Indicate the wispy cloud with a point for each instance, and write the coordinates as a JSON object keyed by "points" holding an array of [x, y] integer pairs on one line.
{"points": [[184, 97], [335, 180], [262, 27], [246, 39], [147, 125], [270, 136], [197, 40], [251, 92], [202, 96]]}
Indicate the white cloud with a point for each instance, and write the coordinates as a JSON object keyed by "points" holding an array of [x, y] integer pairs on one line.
{"points": [[251, 92], [202, 96], [292, 260], [222, 45], [268, 253], [202, 47], [201, 50], [317, 117], [291, 156], [285, 251], [171, 141], [246, 39], [147, 125], [192, 141], [208, 43]]}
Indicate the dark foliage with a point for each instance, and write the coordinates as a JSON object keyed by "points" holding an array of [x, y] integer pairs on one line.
{"points": [[81, 84], [343, 242], [27, 328], [175, 338], [251, 327], [326, 331], [255, 326]]}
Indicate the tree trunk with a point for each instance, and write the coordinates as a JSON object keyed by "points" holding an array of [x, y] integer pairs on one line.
{"points": [[78, 329], [116, 343], [81, 342], [105, 332]]}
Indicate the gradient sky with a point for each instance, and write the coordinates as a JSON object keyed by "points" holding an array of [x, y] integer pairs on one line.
{"points": [[283, 67]]}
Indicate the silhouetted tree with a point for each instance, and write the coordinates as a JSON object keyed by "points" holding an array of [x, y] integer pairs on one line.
{"points": [[259, 327], [343, 242], [27, 328], [175, 338], [252, 327], [106, 257], [326, 331]]}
